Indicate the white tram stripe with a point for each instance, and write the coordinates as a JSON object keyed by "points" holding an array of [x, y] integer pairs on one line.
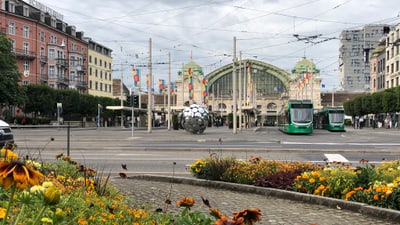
{"points": [[335, 158]]}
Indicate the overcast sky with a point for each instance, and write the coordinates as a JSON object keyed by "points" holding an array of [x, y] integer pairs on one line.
{"points": [[204, 30]]}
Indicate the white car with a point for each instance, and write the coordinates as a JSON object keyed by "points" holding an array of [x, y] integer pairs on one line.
{"points": [[5, 133]]}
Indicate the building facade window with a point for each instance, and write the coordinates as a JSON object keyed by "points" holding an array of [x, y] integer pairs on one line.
{"points": [[11, 28], [42, 36], [13, 45], [11, 7], [26, 11], [26, 47], [52, 54], [25, 32], [26, 65], [52, 72]]}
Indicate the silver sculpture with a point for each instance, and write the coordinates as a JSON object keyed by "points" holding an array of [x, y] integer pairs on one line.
{"points": [[194, 119]]}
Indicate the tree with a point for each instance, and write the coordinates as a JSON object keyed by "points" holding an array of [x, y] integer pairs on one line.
{"points": [[41, 99], [389, 101], [9, 75]]}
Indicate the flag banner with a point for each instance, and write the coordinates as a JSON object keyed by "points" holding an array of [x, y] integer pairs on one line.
{"points": [[249, 85], [204, 89], [172, 88], [136, 77], [190, 84], [147, 80], [161, 86]]}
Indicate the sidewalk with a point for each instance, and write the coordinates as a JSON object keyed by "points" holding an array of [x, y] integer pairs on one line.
{"points": [[277, 207]]}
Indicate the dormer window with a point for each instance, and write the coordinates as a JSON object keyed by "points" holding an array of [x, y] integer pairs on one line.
{"points": [[11, 7], [53, 22], [26, 11], [42, 17]]}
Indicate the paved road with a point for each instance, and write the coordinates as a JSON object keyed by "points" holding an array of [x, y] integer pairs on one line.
{"points": [[155, 152]]}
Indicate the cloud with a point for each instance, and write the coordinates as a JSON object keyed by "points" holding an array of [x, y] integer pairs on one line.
{"points": [[204, 29]]}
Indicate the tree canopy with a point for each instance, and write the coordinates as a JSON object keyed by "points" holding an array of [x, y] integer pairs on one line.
{"points": [[9, 75]]}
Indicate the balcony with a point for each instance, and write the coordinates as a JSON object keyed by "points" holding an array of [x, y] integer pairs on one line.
{"points": [[44, 78], [22, 53], [43, 59], [61, 62], [62, 80]]}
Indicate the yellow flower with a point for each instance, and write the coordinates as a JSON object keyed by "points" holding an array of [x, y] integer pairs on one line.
{"points": [[16, 172], [8, 154], [52, 195], [315, 174], [46, 220], [47, 184], [2, 213], [37, 189], [305, 176], [312, 180]]}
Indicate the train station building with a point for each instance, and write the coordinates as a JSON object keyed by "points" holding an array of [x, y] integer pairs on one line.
{"points": [[262, 89]]}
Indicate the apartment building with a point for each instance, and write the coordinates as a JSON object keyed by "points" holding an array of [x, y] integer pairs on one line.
{"points": [[100, 70], [354, 53], [378, 67], [48, 50], [393, 58]]}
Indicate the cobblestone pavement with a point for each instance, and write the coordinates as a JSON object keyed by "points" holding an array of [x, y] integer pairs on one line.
{"points": [[275, 211]]}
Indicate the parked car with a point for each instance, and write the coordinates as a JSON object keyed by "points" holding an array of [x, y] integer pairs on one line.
{"points": [[5, 133]]}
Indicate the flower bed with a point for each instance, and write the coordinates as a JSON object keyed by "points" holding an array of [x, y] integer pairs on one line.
{"points": [[374, 185], [64, 192]]}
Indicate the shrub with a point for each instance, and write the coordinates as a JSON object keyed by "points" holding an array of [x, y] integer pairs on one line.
{"points": [[282, 179], [245, 173], [211, 168], [365, 176]]}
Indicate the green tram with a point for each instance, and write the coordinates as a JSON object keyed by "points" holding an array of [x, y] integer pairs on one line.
{"points": [[297, 117], [331, 119]]}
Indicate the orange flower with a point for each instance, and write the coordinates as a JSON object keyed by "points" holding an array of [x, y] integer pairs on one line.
{"points": [[225, 221], [16, 172], [250, 216], [216, 213], [185, 202], [376, 197]]}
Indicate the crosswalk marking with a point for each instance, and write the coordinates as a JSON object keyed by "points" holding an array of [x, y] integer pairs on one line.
{"points": [[335, 158]]}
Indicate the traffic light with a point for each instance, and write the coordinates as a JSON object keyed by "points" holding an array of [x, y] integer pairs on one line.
{"points": [[135, 101], [129, 100]]}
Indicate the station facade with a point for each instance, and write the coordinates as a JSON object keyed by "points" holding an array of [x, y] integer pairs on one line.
{"points": [[262, 89]]}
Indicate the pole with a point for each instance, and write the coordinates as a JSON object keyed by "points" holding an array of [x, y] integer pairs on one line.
{"points": [[240, 91], [122, 102], [333, 97], [169, 91], [68, 139], [183, 85], [234, 87], [98, 114], [132, 111], [149, 93]]}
